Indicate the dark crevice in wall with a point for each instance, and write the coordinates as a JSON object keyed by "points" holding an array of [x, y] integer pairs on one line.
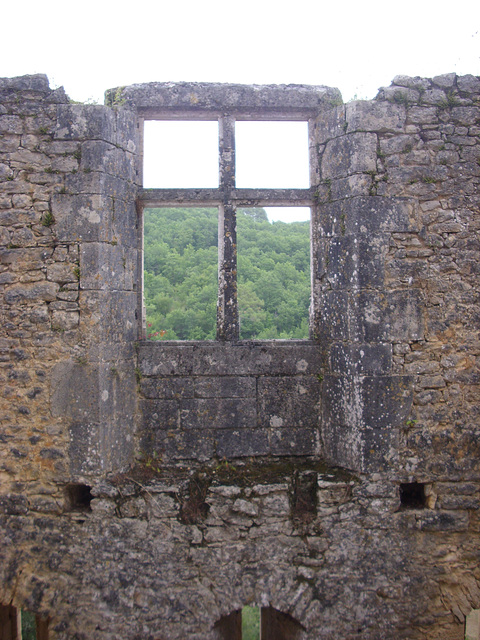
{"points": [[78, 497], [304, 496], [412, 495], [193, 508]]}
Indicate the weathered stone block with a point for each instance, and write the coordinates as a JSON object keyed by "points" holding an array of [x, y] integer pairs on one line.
{"points": [[429, 520], [359, 184], [340, 400], [330, 124], [374, 214], [331, 320], [11, 125], [62, 272], [200, 95], [125, 222], [83, 217], [362, 416], [256, 359], [98, 155], [378, 317], [108, 320], [13, 504], [379, 449], [107, 266], [65, 320], [349, 154], [192, 444], [160, 415], [342, 445], [85, 122], [356, 262], [459, 502], [126, 129], [289, 402], [220, 413], [86, 449], [360, 358], [380, 117], [386, 401], [156, 359], [296, 441], [98, 183], [361, 448], [468, 83], [225, 387], [36, 292], [466, 115], [92, 392], [167, 387], [219, 359], [398, 144], [445, 81], [425, 115], [232, 443]]}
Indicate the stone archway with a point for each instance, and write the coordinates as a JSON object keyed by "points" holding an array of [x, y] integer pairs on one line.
{"points": [[274, 625]]}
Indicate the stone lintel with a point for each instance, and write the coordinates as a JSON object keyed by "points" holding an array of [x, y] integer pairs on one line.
{"points": [[197, 96]]}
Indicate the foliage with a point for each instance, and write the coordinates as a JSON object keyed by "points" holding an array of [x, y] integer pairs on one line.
{"points": [[181, 275], [28, 626], [250, 623]]}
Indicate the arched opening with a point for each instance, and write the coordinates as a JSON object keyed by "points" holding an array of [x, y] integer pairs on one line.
{"points": [[17, 624], [258, 623]]}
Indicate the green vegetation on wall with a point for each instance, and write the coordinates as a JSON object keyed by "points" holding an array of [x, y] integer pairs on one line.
{"points": [[181, 274]]}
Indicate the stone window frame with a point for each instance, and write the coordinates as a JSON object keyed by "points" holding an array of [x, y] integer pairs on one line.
{"points": [[292, 103]]}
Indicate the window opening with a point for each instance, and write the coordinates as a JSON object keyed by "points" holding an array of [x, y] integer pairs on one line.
{"points": [[19, 624], [272, 154], [181, 273], [180, 154], [258, 623], [230, 201], [273, 273]]}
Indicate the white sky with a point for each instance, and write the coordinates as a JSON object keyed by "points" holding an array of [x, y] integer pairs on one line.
{"points": [[95, 45], [356, 46]]}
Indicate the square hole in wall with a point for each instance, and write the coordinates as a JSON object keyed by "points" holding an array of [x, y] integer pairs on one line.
{"points": [[180, 154], [78, 497], [413, 495], [272, 154], [273, 272]]}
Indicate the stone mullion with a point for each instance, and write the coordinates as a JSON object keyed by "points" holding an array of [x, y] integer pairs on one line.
{"points": [[227, 316]]}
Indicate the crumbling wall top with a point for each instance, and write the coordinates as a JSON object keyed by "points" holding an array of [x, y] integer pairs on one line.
{"points": [[32, 87], [215, 96]]}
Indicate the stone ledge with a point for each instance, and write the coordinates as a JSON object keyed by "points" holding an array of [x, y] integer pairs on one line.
{"points": [[196, 96]]}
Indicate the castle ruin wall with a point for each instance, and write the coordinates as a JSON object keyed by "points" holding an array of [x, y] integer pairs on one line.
{"points": [[150, 490]]}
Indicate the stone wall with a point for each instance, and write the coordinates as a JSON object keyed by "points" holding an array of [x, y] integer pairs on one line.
{"points": [[148, 490]]}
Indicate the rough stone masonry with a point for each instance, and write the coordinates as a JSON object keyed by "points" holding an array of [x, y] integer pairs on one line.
{"points": [[151, 490]]}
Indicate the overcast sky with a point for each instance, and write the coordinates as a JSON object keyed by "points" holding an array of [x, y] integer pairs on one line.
{"points": [[94, 45], [356, 46]]}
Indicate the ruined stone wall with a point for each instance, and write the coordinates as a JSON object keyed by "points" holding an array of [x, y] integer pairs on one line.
{"points": [[336, 479]]}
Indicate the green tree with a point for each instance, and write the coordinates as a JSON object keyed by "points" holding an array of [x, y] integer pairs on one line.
{"points": [[181, 281]]}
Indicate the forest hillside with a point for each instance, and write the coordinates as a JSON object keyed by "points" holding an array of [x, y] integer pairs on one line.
{"points": [[181, 274]]}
